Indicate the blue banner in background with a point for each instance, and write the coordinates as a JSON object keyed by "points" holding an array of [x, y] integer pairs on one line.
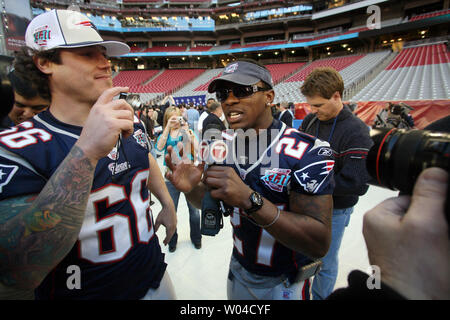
{"points": [[196, 100]]}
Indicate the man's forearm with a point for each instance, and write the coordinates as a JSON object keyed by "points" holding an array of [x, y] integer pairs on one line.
{"points": [[156, 183], [36, 233], [308, 230]]}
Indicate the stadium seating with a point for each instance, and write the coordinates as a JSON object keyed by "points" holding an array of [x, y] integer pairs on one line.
{"points": [[351, 69], [280, 70], [133, 78], [165, 49], [420, 72], [169, 80], [200, 48], [430, 15], [257, 44], [200, 85]]}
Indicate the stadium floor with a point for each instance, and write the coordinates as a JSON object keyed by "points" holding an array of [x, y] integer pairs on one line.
{"points": [[202, 274]]}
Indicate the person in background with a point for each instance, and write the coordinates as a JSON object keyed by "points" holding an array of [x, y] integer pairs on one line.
{"points": [[332, 121], [203, 115], [174, 129], [146, 117], [214, 117], [192, 117], [27, 101], [286, 115]]}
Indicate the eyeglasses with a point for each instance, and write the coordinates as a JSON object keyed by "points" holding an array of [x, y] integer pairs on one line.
{"points": [[238, 91]]}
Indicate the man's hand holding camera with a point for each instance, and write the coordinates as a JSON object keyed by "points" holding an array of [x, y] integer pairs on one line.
{"points": [[116, 117], [408, 238]]}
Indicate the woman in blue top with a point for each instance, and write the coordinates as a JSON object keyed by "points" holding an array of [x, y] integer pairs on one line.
{"points": [[175, 128]]}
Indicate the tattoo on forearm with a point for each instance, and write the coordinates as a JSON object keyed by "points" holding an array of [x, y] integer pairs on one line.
{"points": [[38, 232]]}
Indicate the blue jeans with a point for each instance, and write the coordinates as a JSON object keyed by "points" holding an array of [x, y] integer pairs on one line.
{"points": [[194, 217], [325, 280]]}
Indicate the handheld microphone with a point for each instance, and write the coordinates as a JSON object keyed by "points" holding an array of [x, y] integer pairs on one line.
{"points": [[213, 151]]}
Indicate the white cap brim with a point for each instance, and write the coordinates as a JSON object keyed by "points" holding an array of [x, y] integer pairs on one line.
{"points": [[113, 48]]}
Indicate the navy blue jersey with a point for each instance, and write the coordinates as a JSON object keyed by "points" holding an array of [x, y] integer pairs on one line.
{"points": [[291, 161], [117, 251]]}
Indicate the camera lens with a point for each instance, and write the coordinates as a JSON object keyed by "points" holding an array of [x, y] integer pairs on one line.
{"points": [[398, 156]]}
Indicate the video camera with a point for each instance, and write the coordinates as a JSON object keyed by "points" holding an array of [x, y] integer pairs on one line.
{"points": [[396, 115], [398, 156], [213, 151]]}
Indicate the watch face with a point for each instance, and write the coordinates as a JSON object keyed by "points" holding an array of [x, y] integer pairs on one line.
{"points": [[256, 198]]}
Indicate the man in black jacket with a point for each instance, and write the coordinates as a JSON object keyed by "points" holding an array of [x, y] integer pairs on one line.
{"points": [[215, 113], [285, 115], [332, 121]]}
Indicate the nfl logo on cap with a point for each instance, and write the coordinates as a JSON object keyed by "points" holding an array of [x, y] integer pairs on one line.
{"points": [[68, 29]]}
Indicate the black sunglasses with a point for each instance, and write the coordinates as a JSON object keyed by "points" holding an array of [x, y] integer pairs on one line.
{"points": [[238, 92]]}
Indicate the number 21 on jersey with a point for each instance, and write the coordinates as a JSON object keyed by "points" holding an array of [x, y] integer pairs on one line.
{"points": [[265, 246]]}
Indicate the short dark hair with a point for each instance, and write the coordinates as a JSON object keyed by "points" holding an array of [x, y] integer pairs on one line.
{"points": [[25, 68], [213, 107], [324, 81], [22, 87]]}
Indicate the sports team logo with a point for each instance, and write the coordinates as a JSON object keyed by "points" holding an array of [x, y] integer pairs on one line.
{"points": [[325, 152], [87, 23], [139, 136], [6, 174], [231, 68], [276, 179], [314, 175], [118, 168], [42, 35], [113, 154]]}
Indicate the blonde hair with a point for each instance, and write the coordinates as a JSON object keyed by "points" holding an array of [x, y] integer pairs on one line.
{"points": [[170, 111]]}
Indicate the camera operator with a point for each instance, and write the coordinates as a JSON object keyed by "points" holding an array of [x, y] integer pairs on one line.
{"points": [[407, 237], [394, 116], [282, 207]]}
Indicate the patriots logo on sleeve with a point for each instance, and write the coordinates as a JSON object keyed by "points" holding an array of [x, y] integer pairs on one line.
{"points": [[6, 174], [312, 177]]}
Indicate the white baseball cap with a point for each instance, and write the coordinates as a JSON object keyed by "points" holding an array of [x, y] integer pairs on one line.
{"points": [[68, 29]]}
